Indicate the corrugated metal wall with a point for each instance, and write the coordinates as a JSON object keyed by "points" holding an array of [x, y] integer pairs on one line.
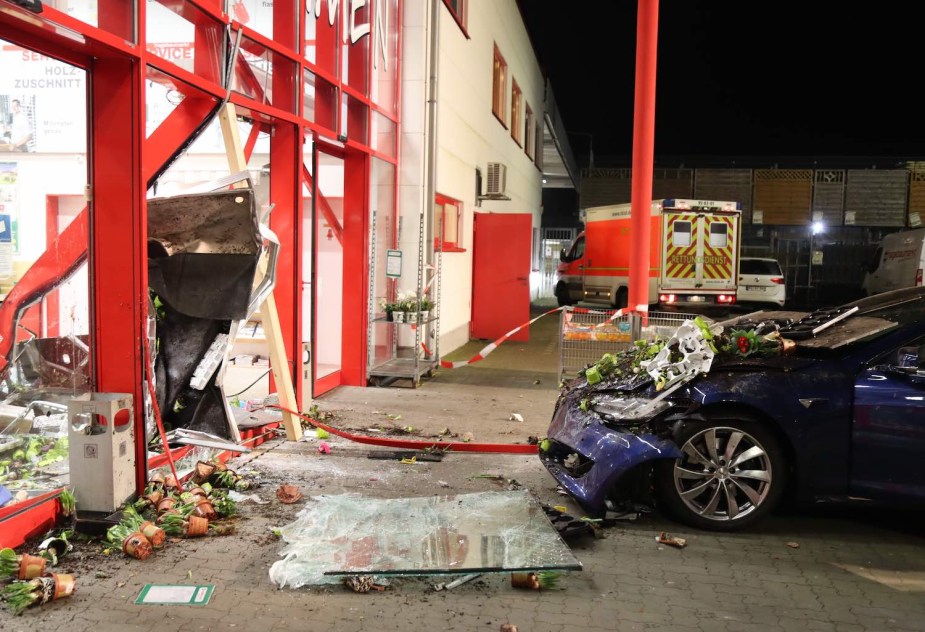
{"points": [[829, 196], [614, 186], [673, 184], [784, 196], [725, 184], [876, 197], [917, 196], [600, 187]]}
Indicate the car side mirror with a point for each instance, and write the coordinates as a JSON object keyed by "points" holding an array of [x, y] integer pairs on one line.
{"points": [[562, 256]]}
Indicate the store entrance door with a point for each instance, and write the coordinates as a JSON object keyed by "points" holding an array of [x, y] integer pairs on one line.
{"points": [[327, 336]]}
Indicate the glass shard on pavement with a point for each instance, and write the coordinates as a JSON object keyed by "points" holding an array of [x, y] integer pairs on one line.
{"points": [[481, 532]]}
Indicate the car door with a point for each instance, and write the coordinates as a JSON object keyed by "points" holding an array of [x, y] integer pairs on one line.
{"points": [[888, 431]]}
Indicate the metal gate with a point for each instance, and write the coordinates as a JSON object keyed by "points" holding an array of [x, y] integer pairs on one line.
{"points": [[554, 240]]}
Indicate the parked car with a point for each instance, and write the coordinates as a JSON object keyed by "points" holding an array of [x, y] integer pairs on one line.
{"points": [[761, 282], [825, 405]]}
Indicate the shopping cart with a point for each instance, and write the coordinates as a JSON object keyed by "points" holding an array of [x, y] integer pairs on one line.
{"points": [[587, 334]]}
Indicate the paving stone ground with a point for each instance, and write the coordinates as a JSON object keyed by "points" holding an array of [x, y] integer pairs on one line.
{"points": [[854, 570]]}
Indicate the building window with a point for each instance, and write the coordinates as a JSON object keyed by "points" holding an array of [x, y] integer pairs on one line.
{"points": [[517, 99], [448, 224], [459, 10], [499, 86], [529, 126]]}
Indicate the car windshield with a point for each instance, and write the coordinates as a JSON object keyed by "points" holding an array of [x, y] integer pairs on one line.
{"points": [[760, 266]]}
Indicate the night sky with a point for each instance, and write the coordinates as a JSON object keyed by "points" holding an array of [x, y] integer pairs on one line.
{"points": [[747, 78]]}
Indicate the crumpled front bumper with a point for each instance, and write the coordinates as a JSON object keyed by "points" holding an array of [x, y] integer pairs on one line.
{"points": [[605, 454]]}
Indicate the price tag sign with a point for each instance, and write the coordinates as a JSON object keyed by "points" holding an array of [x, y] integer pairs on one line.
{"points": [[393, 263]]}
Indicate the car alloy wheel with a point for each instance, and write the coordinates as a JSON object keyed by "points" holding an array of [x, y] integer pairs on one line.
{"points": [[730, 473]]}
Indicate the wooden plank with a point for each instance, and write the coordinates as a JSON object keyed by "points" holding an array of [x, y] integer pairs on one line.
{"points": [[279, 363]]}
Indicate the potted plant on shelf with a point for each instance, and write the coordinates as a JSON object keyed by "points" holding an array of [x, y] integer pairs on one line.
{"points": [[388, 308], [427, 306]]}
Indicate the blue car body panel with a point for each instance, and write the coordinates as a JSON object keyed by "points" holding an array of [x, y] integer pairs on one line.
{"points": [[613, 452]]}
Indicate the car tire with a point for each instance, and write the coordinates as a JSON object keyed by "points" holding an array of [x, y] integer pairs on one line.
{"points": [[717, 490], [562, 296]]}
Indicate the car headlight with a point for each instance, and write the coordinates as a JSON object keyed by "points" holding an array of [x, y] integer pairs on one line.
{"points": [[628, 409]]}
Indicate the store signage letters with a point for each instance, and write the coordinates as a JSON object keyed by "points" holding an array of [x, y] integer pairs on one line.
{"points": [[357, 31]]}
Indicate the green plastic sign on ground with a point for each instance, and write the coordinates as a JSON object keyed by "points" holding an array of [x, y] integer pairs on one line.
{"points": [[175, 595]]}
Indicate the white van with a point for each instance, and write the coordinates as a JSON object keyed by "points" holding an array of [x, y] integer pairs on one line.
{"points": [[898, 262]]}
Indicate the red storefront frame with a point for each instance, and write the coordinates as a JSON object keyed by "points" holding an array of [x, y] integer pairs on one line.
{"points": [[122, 164]]}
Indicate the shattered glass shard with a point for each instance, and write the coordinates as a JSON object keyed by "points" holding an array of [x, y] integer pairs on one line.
{"points": [[481, 532]]}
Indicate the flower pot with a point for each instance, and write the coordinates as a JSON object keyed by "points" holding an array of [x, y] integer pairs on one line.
{"points": [[155, 497], [425, 316], [64, 584], [156, 480], [137, 545], [389, 317], [163, 516], [165, 504], [412, 317], [398, 317], [31, 566], [525, 580], [171, 483], [204, 509], [198, 491], [197, 527], [154, 533], [203, 472]]}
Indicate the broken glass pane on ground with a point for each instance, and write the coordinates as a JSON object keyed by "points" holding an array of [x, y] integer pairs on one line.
{"points": [[482, 532]]}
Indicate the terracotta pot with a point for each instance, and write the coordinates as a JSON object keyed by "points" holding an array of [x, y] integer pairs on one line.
{"points": [[165, 505], [525, 580], [171, 482], [203, 472], [154, 533], [169, 512], [198, 491], [46, 589], [138, 546], [156, 479], [31, 566], [65, 584], [197, 527], [204, 509], [155, 497]]}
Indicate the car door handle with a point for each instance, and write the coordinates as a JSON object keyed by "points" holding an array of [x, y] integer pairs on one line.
{"points": [[809, 402]]}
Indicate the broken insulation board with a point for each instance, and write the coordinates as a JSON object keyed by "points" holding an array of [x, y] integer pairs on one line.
{"points": [[210, 361]]}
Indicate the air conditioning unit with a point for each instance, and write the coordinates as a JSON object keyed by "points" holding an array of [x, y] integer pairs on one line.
{"points": [[497, 178]]}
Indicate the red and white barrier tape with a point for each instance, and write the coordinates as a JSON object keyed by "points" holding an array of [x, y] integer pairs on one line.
{"points": [[494, 345], [419, 444]]}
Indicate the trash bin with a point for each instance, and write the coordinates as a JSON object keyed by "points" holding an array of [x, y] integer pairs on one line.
{"points": [[101, 437]]}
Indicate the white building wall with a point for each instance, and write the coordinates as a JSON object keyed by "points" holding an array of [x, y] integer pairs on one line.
{"points": [[468, 135]]}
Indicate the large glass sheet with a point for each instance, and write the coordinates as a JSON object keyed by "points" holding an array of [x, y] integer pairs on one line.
{"points": [[115, 16], [319, 103], [329, 257], [181, 33], [264, 76], [45, 344], [382, 221], [262, 16], [384, 86], [481, 532]]}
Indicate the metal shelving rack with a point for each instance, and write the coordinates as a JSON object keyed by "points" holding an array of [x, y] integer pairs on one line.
{"points": [[420, 359]]}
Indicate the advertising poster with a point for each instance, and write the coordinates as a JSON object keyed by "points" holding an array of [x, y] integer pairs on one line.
{"points": [[42, 103], [9, 211]]}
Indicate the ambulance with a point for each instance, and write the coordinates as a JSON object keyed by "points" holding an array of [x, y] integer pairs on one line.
{"points": [[693, 253]]}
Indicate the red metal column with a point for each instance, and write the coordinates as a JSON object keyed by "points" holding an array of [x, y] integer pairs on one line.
{"points": [[117, 234], [643, 153], [285, 157], [356, 267]]}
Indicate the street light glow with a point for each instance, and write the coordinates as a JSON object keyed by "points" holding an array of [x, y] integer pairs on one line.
{"points": [[818, 227]]}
